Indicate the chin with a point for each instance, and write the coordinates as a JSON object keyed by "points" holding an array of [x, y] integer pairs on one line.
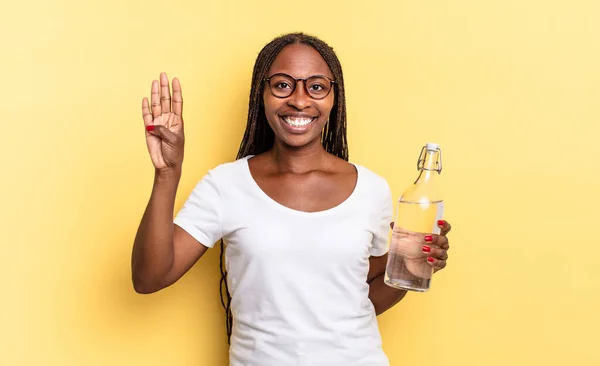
{"points": [[299, 143]]}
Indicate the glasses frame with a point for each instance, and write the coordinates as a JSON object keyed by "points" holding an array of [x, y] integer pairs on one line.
{"points": [[296, 80]]}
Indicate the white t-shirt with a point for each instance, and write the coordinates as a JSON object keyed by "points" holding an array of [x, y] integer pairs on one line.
{"points": [[297, 279]]}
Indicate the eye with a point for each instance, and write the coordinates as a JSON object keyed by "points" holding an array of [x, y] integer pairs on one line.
{"points": [[317, 87], [282, 85]]}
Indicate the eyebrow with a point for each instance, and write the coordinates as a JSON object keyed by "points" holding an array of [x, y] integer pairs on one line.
{"points": [[294, 77]]}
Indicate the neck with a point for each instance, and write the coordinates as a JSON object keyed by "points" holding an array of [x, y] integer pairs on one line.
{"points": [[287, 159]]}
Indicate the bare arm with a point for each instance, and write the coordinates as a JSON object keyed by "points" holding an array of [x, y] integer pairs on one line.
{"points": [[382, 296], [162, 251]]}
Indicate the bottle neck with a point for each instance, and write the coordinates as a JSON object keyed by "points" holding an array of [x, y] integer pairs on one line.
{"points": [[426, 188], [429, 166], [430, 160]]}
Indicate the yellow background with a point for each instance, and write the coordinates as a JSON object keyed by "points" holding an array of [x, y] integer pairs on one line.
{"points": [[510, 89]]}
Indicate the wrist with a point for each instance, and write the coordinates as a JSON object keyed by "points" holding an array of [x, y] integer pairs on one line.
{"points": [[167, 175]]}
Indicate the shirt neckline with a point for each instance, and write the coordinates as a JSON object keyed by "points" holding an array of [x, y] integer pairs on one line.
{"points": [[259, 191]]}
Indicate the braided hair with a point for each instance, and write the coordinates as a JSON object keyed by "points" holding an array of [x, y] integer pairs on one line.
{"points": [[259, 136]]}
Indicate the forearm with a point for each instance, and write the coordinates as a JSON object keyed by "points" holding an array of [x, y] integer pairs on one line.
{"points": [[153, 253], [383, 296]]}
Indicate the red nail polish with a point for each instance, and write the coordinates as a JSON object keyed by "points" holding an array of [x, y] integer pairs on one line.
{"points": [[428, 238], [150, 128], [426, 249], [441, 222], [430, 259]]}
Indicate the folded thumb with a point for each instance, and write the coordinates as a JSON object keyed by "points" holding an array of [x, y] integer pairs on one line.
{"points": [[162, 132]]}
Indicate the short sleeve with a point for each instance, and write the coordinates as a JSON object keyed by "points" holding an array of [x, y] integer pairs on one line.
{"points": [[200, 215], [384, 212]]}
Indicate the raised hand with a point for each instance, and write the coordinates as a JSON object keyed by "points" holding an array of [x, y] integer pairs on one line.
{"points": [[164, 125]]}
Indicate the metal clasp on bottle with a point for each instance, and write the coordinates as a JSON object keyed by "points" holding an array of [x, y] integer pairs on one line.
{"points": [[421, 161]]}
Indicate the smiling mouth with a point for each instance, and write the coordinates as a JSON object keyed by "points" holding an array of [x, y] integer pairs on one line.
{"points": [[298, 122]]}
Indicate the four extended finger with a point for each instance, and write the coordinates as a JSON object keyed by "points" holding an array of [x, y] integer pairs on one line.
{"points": [[146, 114], [165, 93], [177, 98], [155, 100]]}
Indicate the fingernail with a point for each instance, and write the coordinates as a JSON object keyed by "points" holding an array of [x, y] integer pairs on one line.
{"points": [[441, 222], [430, 259], [428, 238], [150, 128], [426, 249]]}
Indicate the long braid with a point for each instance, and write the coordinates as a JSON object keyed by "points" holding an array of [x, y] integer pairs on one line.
{"points": [[259, 136], [224, 288]]}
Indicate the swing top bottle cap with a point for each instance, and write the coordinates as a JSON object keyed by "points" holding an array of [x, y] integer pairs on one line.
{"points": [[432, 146]]}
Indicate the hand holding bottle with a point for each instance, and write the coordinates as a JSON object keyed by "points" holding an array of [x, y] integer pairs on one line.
{"points": [[164, 125], [437, 246], [434, 247]]}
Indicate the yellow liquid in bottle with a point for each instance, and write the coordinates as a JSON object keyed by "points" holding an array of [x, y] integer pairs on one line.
{"points": [[407, 266]]}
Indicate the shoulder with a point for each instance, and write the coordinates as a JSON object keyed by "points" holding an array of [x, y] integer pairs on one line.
{"points": [[374, 194], [220, 177], [372, 180], [228, 170]]}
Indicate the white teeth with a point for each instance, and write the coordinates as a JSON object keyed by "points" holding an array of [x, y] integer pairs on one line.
{"points": [[297, 122]]}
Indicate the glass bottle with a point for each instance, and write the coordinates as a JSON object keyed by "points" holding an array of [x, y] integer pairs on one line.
{"points": [[419, 208]]}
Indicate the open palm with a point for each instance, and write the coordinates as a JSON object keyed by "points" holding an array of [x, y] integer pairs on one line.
{"points": [[164, 124]]}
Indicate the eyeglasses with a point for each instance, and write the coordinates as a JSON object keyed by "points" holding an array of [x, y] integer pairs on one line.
{"points": [[283, 85]]}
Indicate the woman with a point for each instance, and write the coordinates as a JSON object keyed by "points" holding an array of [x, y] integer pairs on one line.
{"points": [[306, 231]]}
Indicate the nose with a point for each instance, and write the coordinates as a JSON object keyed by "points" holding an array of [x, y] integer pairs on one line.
{"points": [[299, 98]]}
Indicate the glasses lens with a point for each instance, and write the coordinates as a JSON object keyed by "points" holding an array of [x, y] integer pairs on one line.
{"points": [[318, 87], [282, 85]]}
